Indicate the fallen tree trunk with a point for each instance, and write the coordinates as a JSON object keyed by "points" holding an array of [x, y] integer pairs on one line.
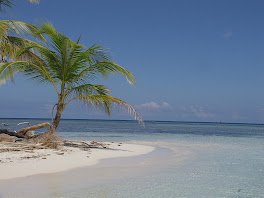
{"points": [[11, 133], [31, 128]]}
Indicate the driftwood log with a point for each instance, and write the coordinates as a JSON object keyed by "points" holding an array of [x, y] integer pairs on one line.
{"points": [[11, 133], [34, 127], [22, 132]]}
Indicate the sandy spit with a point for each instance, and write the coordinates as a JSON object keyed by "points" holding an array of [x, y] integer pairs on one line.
{"points": [[16, 164]]}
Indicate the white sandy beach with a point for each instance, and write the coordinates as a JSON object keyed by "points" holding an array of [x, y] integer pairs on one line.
{"points": [[25, 163]]}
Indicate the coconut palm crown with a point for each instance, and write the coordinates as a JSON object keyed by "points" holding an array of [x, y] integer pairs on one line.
{"points": [[71, 68]]}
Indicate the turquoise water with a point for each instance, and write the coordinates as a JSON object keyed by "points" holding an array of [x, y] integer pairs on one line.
{"points": [[191, 160]]}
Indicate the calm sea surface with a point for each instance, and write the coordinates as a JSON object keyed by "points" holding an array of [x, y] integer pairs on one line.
{"points": [[199, 160]]}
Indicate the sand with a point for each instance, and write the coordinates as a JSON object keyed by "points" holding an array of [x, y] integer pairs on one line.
{"points": [[15, 164]]}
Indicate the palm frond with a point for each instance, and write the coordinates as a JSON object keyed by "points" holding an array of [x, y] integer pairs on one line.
{"points": [[7, 28], [8, 3], [106, 102], [87, 89], [10, 46], [106, 68], [13, 48], [22, 42], [8, 69], [55, 37], [22, 28], [4, 3]]}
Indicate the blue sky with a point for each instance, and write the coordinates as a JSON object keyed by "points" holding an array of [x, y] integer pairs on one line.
{"points": [[193, 60]]}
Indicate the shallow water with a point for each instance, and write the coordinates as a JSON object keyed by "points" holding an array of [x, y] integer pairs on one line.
{"points": [[192, 160]]}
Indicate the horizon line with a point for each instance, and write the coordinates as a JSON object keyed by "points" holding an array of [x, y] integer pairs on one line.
{"points": [[220, 122]]}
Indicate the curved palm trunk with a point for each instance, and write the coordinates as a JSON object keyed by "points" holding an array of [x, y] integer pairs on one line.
{"points": [[48, 137], [57, 118], [55, 122]]}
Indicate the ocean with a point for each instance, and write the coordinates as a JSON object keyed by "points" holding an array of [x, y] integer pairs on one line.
{"points": [[200, 160]]}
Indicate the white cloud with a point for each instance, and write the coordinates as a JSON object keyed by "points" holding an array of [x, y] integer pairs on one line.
{"points": [[196, 111], [153, 106], [165, 104], [150, 105], [200, 112]]}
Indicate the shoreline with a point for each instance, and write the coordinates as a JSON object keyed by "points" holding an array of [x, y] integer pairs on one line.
{"points": [[17, 164]]}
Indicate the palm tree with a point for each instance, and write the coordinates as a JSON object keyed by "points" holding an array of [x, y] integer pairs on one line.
{"points": [[11, 42], [70, 68], [8, 3]]}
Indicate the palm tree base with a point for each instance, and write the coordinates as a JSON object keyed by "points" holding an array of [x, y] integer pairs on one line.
{"points": [[48, 139]]}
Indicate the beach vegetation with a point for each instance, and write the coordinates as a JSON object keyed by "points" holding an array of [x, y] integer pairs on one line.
{"points": [[71, 69]]}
